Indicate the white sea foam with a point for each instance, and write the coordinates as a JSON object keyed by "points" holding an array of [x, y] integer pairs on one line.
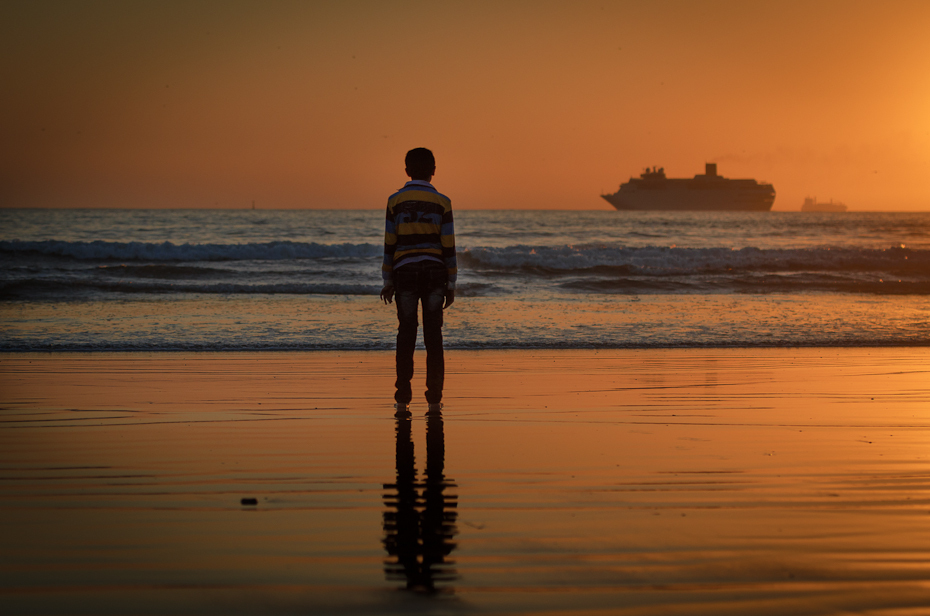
{"points": [[167, 251], [74, 289], [658, 260], [652, 259]]}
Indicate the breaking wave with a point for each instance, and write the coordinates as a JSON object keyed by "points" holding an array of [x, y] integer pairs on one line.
{"points": [[65, 268], [40, 288], [167, 251], [673, 261]]}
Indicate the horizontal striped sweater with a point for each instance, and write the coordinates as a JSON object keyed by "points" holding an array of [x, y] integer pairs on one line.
{"points": [[418, 227]]}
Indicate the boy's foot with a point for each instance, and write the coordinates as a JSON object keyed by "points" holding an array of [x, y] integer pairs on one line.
{"points": [[401, 410], [435, 408]]}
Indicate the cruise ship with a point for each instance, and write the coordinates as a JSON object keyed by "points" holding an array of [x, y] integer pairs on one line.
{"points": [[652, 191]]}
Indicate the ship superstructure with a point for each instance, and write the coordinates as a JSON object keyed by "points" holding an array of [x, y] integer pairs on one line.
{"points": [[652, 191]]}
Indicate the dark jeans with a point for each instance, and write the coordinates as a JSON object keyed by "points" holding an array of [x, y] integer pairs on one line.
{"points": [[420, 283]]}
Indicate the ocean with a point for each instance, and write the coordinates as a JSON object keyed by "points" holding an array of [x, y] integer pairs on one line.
{"points": [[226, 280]]}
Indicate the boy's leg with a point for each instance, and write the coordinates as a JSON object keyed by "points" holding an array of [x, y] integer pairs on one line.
{"points": [[432, 338], [407, 301]]}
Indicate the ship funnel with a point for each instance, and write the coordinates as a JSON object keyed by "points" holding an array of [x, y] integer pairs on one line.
{"points": [[710, 169]]}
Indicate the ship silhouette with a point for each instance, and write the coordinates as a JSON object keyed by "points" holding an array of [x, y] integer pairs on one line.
{"points": [[812, 205], [652, 191]]}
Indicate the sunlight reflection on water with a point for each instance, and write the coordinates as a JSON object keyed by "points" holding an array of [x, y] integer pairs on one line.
{"points": [[697, 480]]}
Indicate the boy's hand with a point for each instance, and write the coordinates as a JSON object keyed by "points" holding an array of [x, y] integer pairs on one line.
{"points": [[450, 297], [387, 293]]}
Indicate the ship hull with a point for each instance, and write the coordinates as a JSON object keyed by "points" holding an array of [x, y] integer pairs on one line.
{"points": [[725, 200]]}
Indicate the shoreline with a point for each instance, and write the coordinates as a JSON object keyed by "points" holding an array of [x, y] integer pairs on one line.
{"points": [[460, 349]]}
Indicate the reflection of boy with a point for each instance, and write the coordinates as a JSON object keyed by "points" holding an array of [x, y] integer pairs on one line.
{"points": [[419, 267]]}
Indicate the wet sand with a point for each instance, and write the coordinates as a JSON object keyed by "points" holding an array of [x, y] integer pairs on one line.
{"points": [[771, 481]]}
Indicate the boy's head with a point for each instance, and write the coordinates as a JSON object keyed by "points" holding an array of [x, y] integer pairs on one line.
{"points": [[420, 164]]}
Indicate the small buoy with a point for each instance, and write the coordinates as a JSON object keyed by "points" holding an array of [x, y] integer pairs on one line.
{"points": [[249, 501]]}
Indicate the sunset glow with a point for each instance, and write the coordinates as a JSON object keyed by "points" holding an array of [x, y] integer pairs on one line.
{"points": [[526, 104]]}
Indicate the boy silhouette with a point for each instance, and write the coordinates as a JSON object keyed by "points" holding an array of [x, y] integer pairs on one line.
{"points": [[419, 268]]}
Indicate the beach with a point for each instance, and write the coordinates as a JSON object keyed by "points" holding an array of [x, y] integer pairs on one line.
{"points": [[683, 257], [631, 481]]}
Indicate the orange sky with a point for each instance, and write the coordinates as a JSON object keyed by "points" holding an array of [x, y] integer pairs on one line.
{"points": [[526, 104]]}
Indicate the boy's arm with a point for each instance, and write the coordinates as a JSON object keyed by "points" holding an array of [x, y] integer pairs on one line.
{"points": [[447, 237], [387, 265]]}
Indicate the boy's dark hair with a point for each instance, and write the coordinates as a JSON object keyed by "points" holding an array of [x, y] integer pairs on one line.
{"points": [[420, 163]]}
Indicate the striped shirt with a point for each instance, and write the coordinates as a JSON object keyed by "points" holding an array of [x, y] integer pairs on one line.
{"points": [[418, 227]]}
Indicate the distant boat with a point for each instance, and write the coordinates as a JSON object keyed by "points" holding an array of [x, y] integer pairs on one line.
{"points": [[811, 205], [652, 191]]}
